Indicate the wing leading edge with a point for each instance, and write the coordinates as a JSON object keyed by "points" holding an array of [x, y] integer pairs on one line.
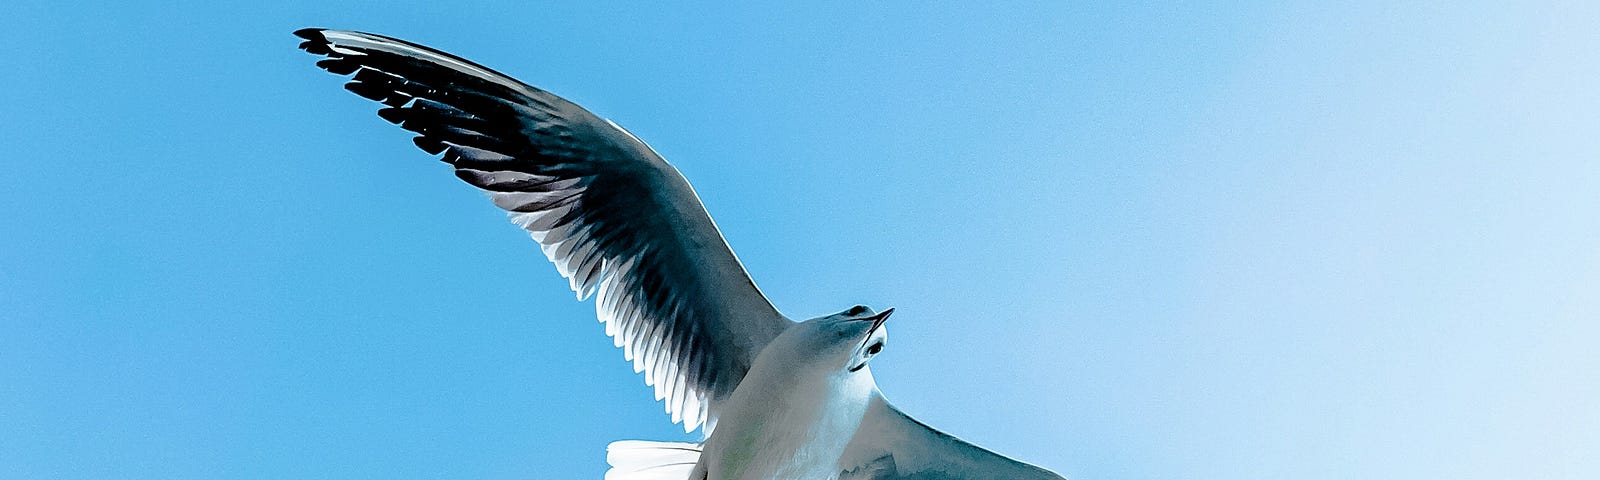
{"points": [[891, 445]]}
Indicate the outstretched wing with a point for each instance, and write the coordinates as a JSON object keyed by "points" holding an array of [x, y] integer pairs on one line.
{"points": [[891, 445], [618, 221]]}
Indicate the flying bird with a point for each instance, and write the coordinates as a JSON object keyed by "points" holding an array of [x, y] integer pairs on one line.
{"points": [[775, 398]]}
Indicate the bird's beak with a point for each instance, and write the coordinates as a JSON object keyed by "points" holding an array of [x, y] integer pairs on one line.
{"points": [[877, 320]]}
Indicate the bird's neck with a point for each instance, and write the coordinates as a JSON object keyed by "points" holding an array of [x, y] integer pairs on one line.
{"points": [[827, 402]]}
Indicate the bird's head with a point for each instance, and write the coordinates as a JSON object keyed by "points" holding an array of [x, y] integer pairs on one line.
{"points": [[841, 343]]}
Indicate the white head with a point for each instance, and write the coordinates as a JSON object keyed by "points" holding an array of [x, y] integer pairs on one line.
{"points": [[831, 345]]}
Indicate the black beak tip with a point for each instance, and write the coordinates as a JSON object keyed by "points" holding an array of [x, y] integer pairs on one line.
{"points": [[882, 316]]}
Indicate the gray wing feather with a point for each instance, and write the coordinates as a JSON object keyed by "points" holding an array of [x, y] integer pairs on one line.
{"points": [[617, 221], [891, 445]]}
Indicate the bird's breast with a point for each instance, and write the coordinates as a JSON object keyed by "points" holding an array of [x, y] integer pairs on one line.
{"points": [[786, 430]]}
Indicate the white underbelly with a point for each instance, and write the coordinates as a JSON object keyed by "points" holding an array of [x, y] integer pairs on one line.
{"points": [[782, 440], [771, 457]]}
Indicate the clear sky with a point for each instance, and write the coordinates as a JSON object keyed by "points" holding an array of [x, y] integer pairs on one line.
{"points": [[1243, 240]]}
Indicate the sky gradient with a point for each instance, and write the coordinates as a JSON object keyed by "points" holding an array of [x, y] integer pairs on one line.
{"points": [[1243, 240]]}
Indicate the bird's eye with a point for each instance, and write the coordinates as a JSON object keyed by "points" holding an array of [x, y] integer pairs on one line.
{"points": [[875, 348], [856, 310]]}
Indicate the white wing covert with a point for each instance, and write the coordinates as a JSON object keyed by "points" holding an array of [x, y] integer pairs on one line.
{"points": [[617, 221]]}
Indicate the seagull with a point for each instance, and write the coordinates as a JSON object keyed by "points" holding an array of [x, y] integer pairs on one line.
{"points": [[775, 398]]}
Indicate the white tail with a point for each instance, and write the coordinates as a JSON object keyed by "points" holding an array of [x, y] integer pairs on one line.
{"points": [[642, 460]]}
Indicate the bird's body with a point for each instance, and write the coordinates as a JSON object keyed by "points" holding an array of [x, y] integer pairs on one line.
{"points": [[777, 399]]}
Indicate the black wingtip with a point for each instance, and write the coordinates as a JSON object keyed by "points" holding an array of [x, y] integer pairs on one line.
{"points": [[338, 66], [316, 43], [391, 114], [428, 144]]}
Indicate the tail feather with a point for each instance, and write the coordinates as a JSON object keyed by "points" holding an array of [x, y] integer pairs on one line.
{"points": [[644, 460]]}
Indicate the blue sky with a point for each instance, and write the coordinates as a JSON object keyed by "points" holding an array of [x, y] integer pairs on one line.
{"points": [[1232, 240]]}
